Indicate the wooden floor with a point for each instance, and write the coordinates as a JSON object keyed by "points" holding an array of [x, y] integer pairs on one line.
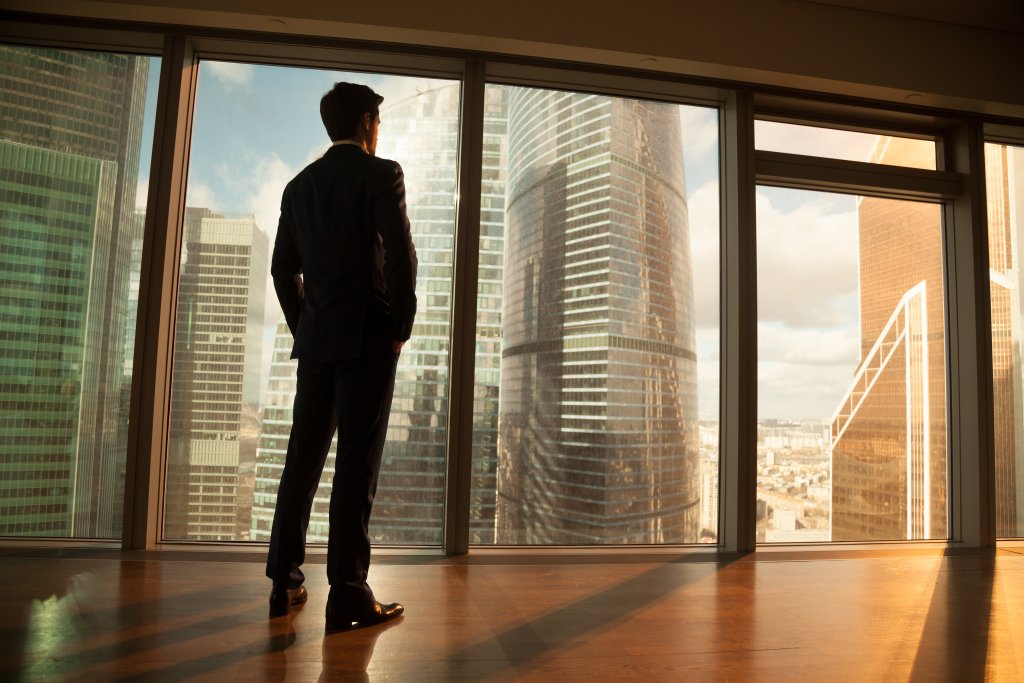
{"points": [[870, 615]]}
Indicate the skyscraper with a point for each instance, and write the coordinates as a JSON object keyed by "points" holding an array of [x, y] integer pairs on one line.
{"points": [[421, 132], [70, 137], [1004, 167], [216, 382], [598, 395], [489, 298], [275, 427], [888, 439]]}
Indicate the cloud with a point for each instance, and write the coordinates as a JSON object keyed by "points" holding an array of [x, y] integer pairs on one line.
{"points": [[142, 193], [256, 184], [802, 373], [705, 237], [316, 151], [808, 302], [231, 74], [700, 131], [826, 347], [808, 337], [268, 178], [791, 391], [260, 182], [807, 261], [200, 196]]}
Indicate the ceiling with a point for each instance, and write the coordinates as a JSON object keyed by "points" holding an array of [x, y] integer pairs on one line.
{"points": [[1001, 15]]}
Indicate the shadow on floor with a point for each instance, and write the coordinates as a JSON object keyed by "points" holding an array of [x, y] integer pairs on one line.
{"points": [[954, 642], [523, 647]]}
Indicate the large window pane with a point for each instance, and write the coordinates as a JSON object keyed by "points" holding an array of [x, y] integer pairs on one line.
{"points": [[852, 382], [1004, 178], [596, 405], [75, 137], [234, 383]]}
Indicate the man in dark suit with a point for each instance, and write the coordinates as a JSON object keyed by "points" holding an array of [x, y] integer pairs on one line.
{"points": [[344, 268]]}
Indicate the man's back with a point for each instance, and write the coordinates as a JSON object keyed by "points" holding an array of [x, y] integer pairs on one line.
{"points": [[344, 228]]}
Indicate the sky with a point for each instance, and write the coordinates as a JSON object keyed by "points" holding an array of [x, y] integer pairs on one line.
{"points": [[255, 127]]}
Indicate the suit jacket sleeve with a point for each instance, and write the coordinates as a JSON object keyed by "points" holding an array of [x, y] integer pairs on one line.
{"points": [[286, 266], [399, 252]]}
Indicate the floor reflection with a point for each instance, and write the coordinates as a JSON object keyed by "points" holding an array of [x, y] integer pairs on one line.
{"points": [[859, 617], [347, 655]]}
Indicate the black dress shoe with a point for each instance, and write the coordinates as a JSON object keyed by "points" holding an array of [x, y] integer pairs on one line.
{"points": [[281, 599], [376, 613]]}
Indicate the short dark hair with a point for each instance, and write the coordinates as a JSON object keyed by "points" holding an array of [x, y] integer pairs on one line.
{"points": [[342, 108]]}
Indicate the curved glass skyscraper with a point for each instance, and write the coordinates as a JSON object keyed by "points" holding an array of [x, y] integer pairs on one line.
{"points": [[598, 396]]}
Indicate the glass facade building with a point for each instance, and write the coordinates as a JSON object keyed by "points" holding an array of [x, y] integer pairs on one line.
{"points": [[1004, 181], [70, 141], [598, 429], [489, 302], [216, 383], [888, 436]]}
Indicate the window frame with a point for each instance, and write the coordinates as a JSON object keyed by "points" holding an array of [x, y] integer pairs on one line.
{"points": [[671, 91], [955, 187]]}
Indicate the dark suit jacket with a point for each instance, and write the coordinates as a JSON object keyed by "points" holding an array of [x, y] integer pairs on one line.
{"points": [[344, 229]]}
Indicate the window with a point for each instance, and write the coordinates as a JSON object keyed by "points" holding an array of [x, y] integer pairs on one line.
{"points": [[596, 404], [595, 414], [234, 383], [851, 369], [833, 143], [75, 137]]}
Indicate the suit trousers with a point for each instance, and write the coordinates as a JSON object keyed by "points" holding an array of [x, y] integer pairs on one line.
{"points": [[353, 397]]}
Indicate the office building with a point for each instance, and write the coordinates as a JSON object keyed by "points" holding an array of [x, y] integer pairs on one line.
{"points": [[1004, 168], [489, 297], [888, 441], [598, 438], [216, 378], [275, 427], [70, 138]]}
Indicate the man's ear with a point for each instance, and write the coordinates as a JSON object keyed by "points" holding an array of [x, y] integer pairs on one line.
{"points": [[367, 120]]}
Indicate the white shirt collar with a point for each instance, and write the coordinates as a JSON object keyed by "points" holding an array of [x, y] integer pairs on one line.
{"points": [[347, 142]]}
